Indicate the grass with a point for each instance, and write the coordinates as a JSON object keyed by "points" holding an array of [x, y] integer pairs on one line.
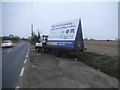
{"points": [[32, 42], [106, 64]]}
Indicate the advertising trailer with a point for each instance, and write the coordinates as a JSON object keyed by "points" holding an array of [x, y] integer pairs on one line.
{"points": [[64, 37]]}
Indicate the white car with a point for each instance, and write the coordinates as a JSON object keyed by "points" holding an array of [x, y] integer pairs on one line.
{"points": [[7, 43]]}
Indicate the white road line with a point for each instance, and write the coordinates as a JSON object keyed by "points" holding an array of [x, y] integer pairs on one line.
{"points": [[17, 87], [26, 56], [22, 71], [25, 61], [9, 50]]}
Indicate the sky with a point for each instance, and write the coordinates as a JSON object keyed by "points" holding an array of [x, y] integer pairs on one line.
{"points": [[99, 19]]}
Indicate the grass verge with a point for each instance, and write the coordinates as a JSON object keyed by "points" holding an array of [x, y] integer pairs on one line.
{"points": [[106, 64]]}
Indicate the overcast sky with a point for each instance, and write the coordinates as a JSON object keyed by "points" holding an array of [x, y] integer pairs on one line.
{"points": [[99, 19]]}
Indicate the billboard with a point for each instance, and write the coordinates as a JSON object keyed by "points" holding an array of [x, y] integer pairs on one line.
{"points": [[64, 31], [63, 34]]}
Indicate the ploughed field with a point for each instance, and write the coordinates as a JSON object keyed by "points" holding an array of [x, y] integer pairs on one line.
{"points": [[102, 47]]}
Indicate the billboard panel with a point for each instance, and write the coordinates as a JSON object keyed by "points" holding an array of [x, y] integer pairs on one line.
{"points": [[63, 34], [64, 31]]}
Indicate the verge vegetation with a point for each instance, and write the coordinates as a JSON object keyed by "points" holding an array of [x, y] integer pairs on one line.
{"points": [[104, 63]]}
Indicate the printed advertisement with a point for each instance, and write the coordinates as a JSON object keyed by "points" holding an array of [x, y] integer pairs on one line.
{"points": [[64, 31]]}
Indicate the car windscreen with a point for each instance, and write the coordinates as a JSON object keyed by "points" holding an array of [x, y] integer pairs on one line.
{"points": [[7, 41]]}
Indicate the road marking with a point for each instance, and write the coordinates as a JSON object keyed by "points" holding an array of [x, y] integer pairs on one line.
{"points": [[25, 61], [17, 87], [9, 50], [75, 59], [22, 71], [26, 56]]}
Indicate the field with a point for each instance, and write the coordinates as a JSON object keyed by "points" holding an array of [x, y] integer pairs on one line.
{"points": [[109, 48]]}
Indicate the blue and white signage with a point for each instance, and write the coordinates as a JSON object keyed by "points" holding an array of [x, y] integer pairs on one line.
{"points": [[63, 34], [64, 31]]}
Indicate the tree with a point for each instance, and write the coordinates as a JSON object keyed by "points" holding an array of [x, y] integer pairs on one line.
{"points": [[91, 39], [86, 39], [33, 38]]}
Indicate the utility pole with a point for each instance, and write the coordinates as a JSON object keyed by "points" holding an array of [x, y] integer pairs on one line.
{"points": [[32, 30]]}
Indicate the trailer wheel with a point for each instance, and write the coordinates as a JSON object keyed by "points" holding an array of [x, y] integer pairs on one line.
{"points": [[43, 49], [37, 49]]}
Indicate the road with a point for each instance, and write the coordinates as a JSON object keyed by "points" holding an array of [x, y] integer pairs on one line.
{"points": [[12, 62]]}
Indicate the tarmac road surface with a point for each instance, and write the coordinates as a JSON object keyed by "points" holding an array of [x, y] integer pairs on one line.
{"points": [[12, 61]]}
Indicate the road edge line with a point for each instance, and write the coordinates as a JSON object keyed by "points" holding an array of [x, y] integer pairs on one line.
{"points": [[17, 87], [26, 56], [9, 50], [25, 61], [22, 71]]}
